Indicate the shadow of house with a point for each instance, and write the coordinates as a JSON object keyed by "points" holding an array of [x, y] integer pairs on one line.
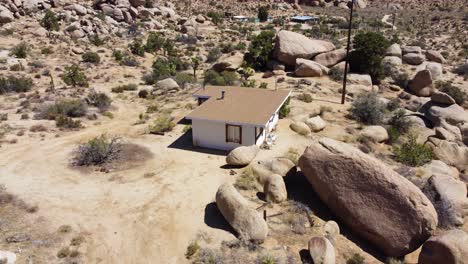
{"points": [[300, 190], [184, 142], [214, 219]]}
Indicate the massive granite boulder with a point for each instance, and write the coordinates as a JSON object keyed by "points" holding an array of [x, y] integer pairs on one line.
{"points": [[242, 155], [450, 247], [331, 58], [308, 68], [290, 46], [377, 203]]}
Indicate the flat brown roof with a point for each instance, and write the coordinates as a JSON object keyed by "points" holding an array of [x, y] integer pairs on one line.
{"points": [[240, 105]]}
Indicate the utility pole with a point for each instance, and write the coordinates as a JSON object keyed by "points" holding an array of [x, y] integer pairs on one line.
{"points": [[345, 77]]}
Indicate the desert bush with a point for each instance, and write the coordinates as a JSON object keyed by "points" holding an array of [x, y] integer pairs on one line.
{"points": [[221, 79], [216, 17], [97, 151], [412, 153], [399, 121], [393, 104], [162, 69], [162, 124], [143, 93], [99, 100], [214, 54], [64, 107], [118, 55], [96, 40], [305, 97], [20, 51], [369, 50], [74, 76], [368, 109], [63, 253], [246, 180], [47, 50], [155, 42], [285, 109], [183, 78], [15, 84], [336, 74], [67, 122], [192, 249], [292, 155], [260, 49], [130, 61], [50, 21], [126, 87], [91, 57], [137, 48], [355, 259], [263, 14], [456, 93]]}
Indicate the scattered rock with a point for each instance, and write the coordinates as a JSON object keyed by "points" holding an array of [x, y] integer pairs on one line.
{"points": [[452, 153], [452, 114], [167, 85], [375, 133], [331, 231], [360, 79], [394, 50], [450, 247], [247, 222], [321, 250], [412, 49], [230, 63], [421, 85], [414, 58], [442, 98], [392, 60], [9, 256], [435, 69], [275, 189], [242, 155], [448, 195], [300, 127], [316, 123], [355, 185], [435, 56]]}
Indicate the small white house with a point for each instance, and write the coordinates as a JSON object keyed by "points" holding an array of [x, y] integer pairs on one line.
{"points": [[228, 117]]}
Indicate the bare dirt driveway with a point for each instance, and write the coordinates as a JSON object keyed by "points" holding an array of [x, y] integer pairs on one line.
{"points": [[145, 214]]}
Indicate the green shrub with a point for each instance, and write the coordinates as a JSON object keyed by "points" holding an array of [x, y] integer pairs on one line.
{"points": [[99, 100], [192, 249], [123, 88], [96, 40], [143, 93], [97, 151], [355, 259], [155, 42], [91, 57], [216, 17], [74, 76], [368, 109], [20, 51], [454, 92], [47, 50], [336, 74], [118, 55], [305, 97], [263, 14], [162, 69], [184, 78], [64, 107], [130, 61], [246, 180], [399, 121], [63, 253], [137, 48], [221, 79], [393, 104], [162, 124], [285, 109], [67, 122], [412, 153], [50, 21], [260, 49], [15, 84], [369, 50], [214, 54]]}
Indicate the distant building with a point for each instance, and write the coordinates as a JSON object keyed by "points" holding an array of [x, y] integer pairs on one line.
{"points": [[240, 18], [304, 19]]}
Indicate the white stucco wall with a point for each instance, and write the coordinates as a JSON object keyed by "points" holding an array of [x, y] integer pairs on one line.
{"points": [[210, 134]]}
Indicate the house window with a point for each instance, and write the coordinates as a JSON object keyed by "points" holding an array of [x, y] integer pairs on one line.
{"points": [[233, 134]]}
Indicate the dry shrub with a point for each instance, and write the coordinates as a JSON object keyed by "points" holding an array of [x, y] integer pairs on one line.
{"points": [[97, 151]]}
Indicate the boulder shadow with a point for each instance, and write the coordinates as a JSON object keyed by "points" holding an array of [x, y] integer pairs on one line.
{"points": [[261, 196], [214, 219], [300, 190], [305, 257]]}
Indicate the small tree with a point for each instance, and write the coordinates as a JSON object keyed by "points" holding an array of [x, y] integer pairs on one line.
{"points": [[196, 61], [260, 49], [369, 50], [50, 21], [137, 47], [154, 43], [168, 48], [263, 14], [74, 76]]}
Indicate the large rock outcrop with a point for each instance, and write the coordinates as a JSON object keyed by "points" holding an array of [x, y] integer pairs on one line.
{"points": [[450, 247], [331, 58], [291, 46], [246, 221], [421, 85], [355, 186]]}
